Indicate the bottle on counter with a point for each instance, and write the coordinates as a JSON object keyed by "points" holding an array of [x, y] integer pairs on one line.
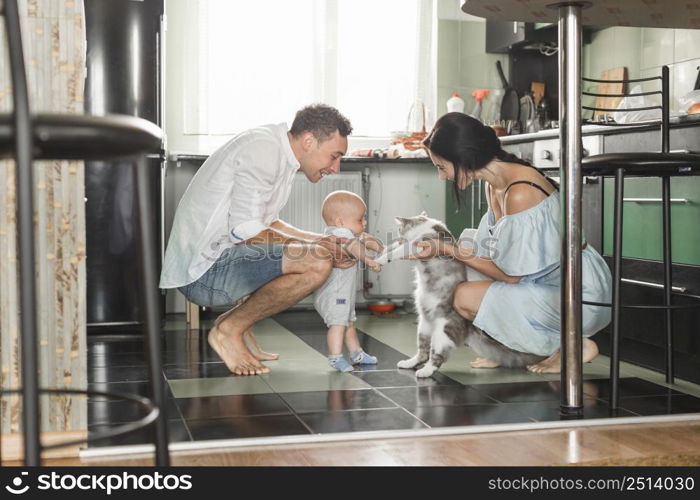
{"points": [[491, 114], [478, 95], [455, 104]]}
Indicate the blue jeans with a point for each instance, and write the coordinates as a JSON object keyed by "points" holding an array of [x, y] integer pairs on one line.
{"points": [[239, 271]]}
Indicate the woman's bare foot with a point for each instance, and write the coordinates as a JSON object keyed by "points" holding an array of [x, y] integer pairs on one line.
{"points": [[254, 348], [232, 350], [483, 363], [550, 365], [553, 363]]}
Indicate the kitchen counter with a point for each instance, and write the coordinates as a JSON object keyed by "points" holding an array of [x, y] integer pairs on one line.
{"points": [[676, 122], [196, 157], [365, 159]]}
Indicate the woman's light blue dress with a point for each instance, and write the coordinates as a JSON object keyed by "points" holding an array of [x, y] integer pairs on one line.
{"points": [[526, 316]]}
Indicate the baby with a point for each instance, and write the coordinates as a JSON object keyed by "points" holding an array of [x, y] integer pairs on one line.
{"points": [[344, 215]]}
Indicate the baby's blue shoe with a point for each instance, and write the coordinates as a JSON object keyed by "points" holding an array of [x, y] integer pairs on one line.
{"points": [[360, 357], [339, 363]]}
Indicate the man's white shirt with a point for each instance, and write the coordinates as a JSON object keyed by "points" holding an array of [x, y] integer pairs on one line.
{"points": [[237, 193]]}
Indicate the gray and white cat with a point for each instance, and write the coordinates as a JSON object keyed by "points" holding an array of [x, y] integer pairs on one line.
{"points": [[440, 327]]}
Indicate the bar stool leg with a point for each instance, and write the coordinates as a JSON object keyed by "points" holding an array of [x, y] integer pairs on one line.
{"points": [[25, 228], [617, 281], [668, 280], [150, 301]]}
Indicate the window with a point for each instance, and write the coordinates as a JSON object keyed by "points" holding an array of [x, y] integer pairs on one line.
{"points": [[259, 61]]}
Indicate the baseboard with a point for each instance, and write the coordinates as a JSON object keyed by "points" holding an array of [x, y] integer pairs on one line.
{"points": [[13, 446]]}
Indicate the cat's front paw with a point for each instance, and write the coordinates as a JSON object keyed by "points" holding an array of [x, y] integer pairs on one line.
{"points": [[408, 363], [426, 371], [382, 259]]}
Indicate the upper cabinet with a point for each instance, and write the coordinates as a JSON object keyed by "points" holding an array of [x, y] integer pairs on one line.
{"points": [[503, 36]]}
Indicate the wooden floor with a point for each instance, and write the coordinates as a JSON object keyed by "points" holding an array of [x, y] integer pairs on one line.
{"points": [[610, 445]]}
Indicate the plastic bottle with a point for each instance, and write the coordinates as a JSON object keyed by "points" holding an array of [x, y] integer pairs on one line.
{"points": [[455, 103], [478, 95]]}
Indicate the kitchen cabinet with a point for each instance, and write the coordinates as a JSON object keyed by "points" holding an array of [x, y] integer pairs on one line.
{"points": [[502, 36], [473, 208], [642, 229], [642, 331], [643, 341], [642, 225]]}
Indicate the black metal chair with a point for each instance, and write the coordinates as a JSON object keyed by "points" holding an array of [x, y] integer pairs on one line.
{"points": [[76, 137], [664, 164]]}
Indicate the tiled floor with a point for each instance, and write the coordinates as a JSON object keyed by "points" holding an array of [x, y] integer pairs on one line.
{"points": [[303, 395]]}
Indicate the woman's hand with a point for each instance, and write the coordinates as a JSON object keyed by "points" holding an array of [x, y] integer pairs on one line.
{"points": [[431, 248]]}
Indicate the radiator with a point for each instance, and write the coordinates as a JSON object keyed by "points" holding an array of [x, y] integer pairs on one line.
{"points": [[303, 209]]}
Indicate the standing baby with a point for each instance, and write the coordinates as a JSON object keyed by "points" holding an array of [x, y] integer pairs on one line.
{"points": [[344, 214]]}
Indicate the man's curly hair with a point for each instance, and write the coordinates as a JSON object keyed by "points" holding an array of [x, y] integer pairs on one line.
{"points": [[321, 120]]}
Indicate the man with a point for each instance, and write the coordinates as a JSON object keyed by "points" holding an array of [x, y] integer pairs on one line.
{"points": [[228, 242]]}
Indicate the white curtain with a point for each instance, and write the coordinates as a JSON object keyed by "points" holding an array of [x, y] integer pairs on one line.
{"points": [[54, 50], [251, 62]]}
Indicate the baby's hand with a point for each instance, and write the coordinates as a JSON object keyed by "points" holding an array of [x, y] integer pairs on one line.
{"points": [[374, 266], [372, 243]]}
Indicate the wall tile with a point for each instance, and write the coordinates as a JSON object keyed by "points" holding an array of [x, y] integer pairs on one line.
{"points": [[686, 45], [683, 76], [627, 43], [477, 69], [650, 86], [600, 55], [448, 53], [472, 38], [657, 47]]}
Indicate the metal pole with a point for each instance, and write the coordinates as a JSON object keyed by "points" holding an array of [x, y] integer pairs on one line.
{"points": [[25, 225], [666, 198], [570, 137], [665, 110], [617, 284], [668, 275], [150, 300]]}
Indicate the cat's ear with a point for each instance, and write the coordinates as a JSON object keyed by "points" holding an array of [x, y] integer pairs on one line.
{"points": [[423, 214], [401, 220], [443, 233]]}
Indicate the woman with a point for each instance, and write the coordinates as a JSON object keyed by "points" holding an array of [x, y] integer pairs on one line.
{"points": [[512, 259]]}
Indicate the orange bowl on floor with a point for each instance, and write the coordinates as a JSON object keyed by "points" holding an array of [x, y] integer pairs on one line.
{"points": [[381, 307]]}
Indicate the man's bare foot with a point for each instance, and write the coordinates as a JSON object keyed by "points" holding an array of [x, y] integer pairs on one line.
{"points": [[483, 363], [254, 348], [234, 353], [553, 363]]}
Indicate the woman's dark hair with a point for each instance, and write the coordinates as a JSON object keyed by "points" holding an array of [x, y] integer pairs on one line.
{"points": [[321, 120], [469, 145]]}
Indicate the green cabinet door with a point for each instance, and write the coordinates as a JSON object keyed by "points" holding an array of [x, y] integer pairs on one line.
{"points": [[642, 235], [458, 221]]}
